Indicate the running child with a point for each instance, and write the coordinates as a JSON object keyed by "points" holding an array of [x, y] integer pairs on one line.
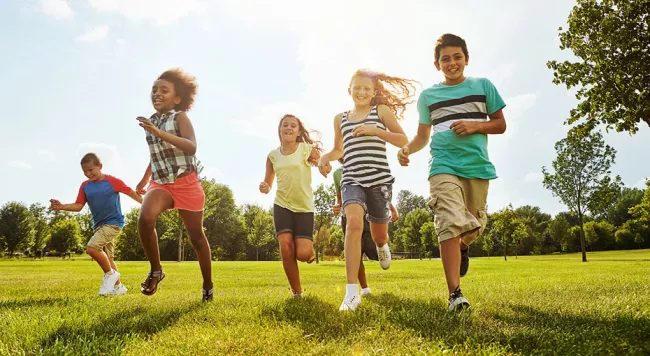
{"points": [[293, 208], [360, 136], [172, 175], [462, 111], [102, 193]]}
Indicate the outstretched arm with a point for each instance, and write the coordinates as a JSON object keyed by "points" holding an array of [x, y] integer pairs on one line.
{"points": [[324, 165], [417, 143], [56, 205]]}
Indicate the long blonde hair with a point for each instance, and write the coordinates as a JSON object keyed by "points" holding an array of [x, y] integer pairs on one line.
{"points": [[396, 95], [304, 135]]}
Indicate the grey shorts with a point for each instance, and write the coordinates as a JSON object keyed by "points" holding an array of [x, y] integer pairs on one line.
{"points": [[375, 201]]}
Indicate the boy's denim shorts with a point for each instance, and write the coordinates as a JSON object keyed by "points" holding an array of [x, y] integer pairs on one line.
{"points": [[375, 200]]}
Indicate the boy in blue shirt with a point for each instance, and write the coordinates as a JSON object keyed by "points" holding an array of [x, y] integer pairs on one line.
{"points": [[101, 192], [462, 112]]}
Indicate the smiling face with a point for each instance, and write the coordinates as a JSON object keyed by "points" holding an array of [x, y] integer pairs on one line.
{"points": [[163, 96], [92, 171], [452, 62], [289, 129], [362, 90]]}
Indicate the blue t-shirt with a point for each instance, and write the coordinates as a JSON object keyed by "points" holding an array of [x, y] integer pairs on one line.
{"points": [[103, 198], [442, 105]]}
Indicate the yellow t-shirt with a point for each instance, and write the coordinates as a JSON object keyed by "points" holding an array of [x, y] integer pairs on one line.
{"points": [[293, 174]]}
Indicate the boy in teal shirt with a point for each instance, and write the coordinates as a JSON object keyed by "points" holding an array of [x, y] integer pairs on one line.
{"points": [[462, 112]]}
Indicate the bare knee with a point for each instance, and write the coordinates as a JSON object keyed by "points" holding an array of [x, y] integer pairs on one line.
{"points": [[287, 249], [304, 255], [197, 235], [354, 226], [91, 251], [146, 220]]}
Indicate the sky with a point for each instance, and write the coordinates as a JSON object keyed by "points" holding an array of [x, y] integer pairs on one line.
{"points": [[77, 73]]}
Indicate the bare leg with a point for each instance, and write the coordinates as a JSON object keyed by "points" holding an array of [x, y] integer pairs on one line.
{"points": [[354, 229], [288, 254], [450, 255], [362, 276], [155, 202], [193, 221]]}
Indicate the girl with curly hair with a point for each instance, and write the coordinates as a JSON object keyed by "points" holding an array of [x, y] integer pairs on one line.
{"points": [[171, 175]]}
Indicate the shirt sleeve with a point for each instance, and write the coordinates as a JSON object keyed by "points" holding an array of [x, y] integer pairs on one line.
{"points": [[118, 185], [493, 101], [307, 148], [81, 197], [423, 111], [337, 180]]}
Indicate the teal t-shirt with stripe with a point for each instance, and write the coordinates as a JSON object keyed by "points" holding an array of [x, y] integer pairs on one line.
{"points": [[442, 105]]}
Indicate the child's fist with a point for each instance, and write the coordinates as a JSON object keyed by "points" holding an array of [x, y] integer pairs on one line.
{"points": [[265, 188], [403, 156]]}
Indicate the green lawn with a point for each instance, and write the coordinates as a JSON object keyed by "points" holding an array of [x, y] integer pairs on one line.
{"points": [[529, 305]]}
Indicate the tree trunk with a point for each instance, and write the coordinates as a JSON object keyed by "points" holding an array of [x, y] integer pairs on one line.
{"points": [[583, 244], [257, 253], [316, 252], [180, 245], [505, 252]]}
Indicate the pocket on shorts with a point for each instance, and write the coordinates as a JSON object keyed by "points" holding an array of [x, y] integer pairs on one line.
{"points": [[482, 219]]}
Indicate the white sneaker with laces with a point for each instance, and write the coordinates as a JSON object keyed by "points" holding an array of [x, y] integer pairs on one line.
{"points": [[119, 290], [365, 291], [384, 256], [350, 303], [109, 283]]}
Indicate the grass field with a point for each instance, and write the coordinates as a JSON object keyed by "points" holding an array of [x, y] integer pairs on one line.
{"points": [[532, 305]]}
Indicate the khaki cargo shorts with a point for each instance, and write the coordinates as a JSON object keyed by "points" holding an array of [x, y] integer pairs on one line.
{"points": [[103, 239], [458, 205]]}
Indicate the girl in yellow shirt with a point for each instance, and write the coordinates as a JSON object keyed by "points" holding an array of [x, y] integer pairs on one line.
{"points": [[293, 208]]}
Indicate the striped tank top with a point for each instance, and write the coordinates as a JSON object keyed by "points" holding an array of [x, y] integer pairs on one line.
{"points": [[364, 157]]}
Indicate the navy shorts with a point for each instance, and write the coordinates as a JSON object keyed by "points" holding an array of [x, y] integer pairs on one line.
{"points": [[367, 245], [375, 200], [300, 224]]}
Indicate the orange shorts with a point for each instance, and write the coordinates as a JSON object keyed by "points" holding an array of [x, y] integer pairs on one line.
{"points": [[187, 192]]}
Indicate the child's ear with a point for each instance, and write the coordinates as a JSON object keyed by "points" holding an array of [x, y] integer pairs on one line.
{"points": [[436, 64], [101, 166], [177, 100]]}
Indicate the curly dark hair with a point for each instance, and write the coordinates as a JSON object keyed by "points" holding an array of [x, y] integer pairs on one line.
{"points": [[396, 96], [91, 157], [185, 86], [449, 40]]}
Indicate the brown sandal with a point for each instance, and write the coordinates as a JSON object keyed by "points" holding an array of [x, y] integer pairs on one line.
{"points": [[146, 285]]}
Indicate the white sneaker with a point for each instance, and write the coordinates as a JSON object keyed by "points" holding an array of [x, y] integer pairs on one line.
{"points": [[350, 303], [119, 290], [384, 256], [365, 291], [109, 283]]}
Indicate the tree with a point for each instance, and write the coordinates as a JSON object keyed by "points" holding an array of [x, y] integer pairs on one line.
{"points": [[559, 231], [612, 39], [41, 228], [127, 244], [336, 241], [407, 202], [581, 174], [507, 228], [321, 240], [429, 237], [413, 222], [324, 199], [65, 235], [85, 220], [599, 235], [261, 231], [16, 226], [223, 223], [619, 212]]}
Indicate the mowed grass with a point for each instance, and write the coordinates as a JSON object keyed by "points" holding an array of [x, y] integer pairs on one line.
{"points": [[530, 305]]}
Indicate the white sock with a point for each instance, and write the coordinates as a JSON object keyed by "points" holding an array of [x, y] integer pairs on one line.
{"points": [[351, 290], [112, 271]]}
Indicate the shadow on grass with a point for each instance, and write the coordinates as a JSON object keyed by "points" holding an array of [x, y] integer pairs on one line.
{"points": [[37, 302], [110, 334], [521, 329], [316, 318]]}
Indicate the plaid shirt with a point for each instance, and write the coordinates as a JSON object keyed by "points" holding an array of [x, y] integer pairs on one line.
{"points": [[167, 161]]}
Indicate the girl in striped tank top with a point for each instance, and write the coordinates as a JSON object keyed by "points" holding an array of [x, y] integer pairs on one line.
{"points": [[360, 137], [174, 181], [293, 209]]}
